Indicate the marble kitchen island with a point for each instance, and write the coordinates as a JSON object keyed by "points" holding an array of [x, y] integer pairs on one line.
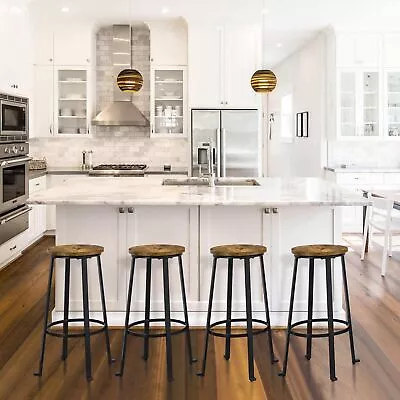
{"points": [[121, 212]]}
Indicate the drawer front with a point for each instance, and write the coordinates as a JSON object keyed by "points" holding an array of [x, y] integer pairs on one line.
{"points": [[358, 179], [11, 248], [37, 184], [391, 179]]}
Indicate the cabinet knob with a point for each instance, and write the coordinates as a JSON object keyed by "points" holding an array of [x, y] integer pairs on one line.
{"points": [[267, 211], [50, 59], [131, 210], [121, 210], [274, 211]]}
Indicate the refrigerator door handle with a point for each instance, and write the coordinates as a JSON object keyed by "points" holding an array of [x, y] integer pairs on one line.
{"points": [[223, 153], [218, 155]]}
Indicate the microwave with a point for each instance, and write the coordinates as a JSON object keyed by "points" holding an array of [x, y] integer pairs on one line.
{"points": [[14, 120]]}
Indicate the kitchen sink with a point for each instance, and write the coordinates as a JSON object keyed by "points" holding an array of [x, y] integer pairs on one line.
{"points": [[206, 182]]}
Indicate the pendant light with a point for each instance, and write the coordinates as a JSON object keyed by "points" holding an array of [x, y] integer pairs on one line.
{"points": [[130, 80], [263, 80]]}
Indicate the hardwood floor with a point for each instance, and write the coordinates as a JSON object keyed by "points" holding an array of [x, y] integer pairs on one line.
{"points": [[375, 309]]}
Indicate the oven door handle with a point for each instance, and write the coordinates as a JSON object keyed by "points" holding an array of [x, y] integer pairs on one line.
{"points": [[18, 214], [11, 162]]}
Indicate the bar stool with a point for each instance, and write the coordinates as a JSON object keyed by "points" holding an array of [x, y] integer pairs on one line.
{"points": [[243, 252], [325, 252], [162, 252], [81, 252]]}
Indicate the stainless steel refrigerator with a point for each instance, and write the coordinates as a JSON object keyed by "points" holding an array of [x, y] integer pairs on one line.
{"points": [[226, 141]]}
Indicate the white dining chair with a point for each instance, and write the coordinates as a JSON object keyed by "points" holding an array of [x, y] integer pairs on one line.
{"points": [[381, 217]]}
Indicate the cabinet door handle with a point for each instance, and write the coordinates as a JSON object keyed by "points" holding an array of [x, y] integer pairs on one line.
{"points": [[267, 211], [51, 129], [13, 248], [121, 210], [37, 184], [131, 210], [274, 211]]}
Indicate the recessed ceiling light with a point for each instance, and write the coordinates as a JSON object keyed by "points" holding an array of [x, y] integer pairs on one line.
{"points": [[15, 10], [165, 10], [65, 9], [279, 45]]}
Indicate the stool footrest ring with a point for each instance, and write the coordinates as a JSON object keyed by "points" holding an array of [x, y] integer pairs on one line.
{"points": [[162, 334], [235, 335], [75, 334], [319, 335]]}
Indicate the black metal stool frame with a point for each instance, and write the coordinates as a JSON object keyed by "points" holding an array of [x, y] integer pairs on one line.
{"points": [[249, 319], [309, 321], [147, 320], [86, 320]]}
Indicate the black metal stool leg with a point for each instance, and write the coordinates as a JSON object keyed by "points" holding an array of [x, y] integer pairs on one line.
{"points": [[167, 318], [46, 317], [269, 331], [103, 304], [185, 311], [210, 300], [347, 300], [331, 337], [66, 308], [310, 306], [128, 309], [227, 354], [88, 358], [249, 317], [147, 309], [296, 262]]}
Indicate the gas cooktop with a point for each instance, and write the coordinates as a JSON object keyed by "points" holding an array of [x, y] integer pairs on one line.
{"points": [[118, 170]]}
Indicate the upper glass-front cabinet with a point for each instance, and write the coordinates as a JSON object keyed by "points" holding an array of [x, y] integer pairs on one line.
{"points": [[393, 104], [71, 101], [359, 107], [168, 109]]}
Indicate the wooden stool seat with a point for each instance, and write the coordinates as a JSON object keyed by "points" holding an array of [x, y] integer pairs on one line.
{"points": [[75, 250], [320, 250], [157, 250], [238, 250]]}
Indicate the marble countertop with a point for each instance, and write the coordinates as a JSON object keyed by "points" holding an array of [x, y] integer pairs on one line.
{"points": [[355, 169], [272, 192]]}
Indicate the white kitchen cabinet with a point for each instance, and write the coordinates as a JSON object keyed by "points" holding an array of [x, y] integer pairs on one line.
{"points": [[222, 60], [117, 230], [391, 54], [359, 103], [37, 216], [168, 42], [392, 103], [168, 101], [12, 248], [358, 49], [356, 182], [73, 44], [43, 102], [54, 180], [72, 101]]}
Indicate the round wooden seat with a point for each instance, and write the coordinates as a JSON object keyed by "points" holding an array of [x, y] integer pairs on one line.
{"points": [[238, 250], [319, 250], [157, 250], [75, 250]]}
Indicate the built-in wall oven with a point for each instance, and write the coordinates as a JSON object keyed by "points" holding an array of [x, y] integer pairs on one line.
{"points": [[14, 118], [14, 189]]}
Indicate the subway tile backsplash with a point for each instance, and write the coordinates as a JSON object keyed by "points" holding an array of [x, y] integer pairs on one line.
{"points": [[114, 149], [361, 154]]}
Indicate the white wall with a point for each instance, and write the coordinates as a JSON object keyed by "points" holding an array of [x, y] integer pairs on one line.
{"points": [[304, 75]]}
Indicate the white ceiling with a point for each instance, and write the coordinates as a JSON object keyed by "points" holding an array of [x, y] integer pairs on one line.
{"points": [[288, 23]]}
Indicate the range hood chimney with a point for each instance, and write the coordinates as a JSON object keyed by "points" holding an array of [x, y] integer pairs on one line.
{"points": [[121, 112]]}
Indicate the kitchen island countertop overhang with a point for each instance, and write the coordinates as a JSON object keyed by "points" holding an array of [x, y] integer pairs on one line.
{"points": [[118, 213], [272, 192]]}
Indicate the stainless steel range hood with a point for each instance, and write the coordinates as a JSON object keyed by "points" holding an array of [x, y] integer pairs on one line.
{"points": [[121, 112]]}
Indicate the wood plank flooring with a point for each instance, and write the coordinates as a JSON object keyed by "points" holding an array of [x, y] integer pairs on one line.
{"points": [[376, 316]]}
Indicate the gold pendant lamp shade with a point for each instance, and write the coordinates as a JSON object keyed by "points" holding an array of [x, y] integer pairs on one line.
{"points": [[130, 80], [263, 81]]}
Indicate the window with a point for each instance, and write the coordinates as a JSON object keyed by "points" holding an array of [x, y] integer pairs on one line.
{"points": [[287, 125]]}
